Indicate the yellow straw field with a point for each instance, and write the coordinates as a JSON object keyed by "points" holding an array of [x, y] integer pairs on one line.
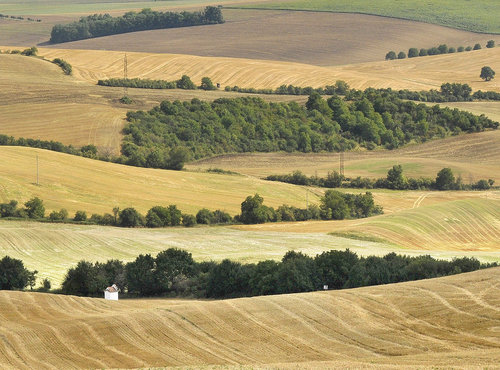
{"points": [[414, 74], [445, 322]]}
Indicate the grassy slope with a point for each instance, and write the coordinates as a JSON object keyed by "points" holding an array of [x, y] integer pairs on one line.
{"points": [[452, 321], [478, 16], [77, 183]]}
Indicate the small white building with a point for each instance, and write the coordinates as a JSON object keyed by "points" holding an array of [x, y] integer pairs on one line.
{"points": [[111, 293]]}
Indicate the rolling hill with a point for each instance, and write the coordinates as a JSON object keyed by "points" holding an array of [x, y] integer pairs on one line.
{"points": [[415, 74], [452, 321]]}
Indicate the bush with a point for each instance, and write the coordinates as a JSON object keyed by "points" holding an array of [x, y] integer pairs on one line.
{"points": [[35, 208], [460, 49], [477, 47], [13, 274], [185, 83], [80, 216], [412, 53], [62, 215], [188, 220], [401, 55], [129, 217], [30, 52], [206, 84], [391, 55], [468, 48], [65, 66], [490, 44]]}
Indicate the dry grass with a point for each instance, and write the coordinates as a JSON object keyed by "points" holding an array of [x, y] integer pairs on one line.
{"points": [[414, 74], [77, 183], [474, 156], [446, 322]]}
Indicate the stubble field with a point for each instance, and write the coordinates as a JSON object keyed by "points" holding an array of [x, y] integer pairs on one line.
{"points": [[439, 322]]}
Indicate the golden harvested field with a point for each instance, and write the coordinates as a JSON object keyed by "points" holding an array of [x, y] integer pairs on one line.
{"points": [[415, 74], [474, 156], [432, 224], [317, 38], [446, 322], [78, 183]]}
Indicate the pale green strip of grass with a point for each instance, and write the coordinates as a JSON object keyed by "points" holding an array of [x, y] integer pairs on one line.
{"points": [[54, 7], [477, 16]]}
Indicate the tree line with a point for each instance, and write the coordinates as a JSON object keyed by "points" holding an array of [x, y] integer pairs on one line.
{"points": [[436, 50], [333, 205], [183, 83], [445, 180], [174, 272], [18, 17], [98, 25], [368, 119]]}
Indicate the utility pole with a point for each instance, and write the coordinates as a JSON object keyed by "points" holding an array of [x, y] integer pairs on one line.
{"points": [[37, 172], [125, 75]]}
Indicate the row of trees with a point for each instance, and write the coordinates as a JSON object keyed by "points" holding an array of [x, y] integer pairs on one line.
{"points": [[445, 180], [252, 211], [183, 83], [18, 17], [103, 24], [436, 50], [174, 272], [369, 119], [449, 92]]}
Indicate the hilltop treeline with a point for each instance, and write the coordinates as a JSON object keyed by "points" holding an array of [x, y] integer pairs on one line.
{"points": [[104, 24], [174, 272], [435, 50], [445, 180], [249, 124]]}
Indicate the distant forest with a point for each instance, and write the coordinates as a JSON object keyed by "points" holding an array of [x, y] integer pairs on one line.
{"points": [[369, 119], [104, 24]]}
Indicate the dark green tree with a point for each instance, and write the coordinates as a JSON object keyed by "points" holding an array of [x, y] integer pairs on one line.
{"points": [[395, 178], [35, 208], [445, 179], [333, 206], [141, 275], [490, 44], [477, 46], [80, 216], [206, 84], [391, 55], [177, 157], [412, 53], [401, 55], [172, 264], [253, 211], [129, 217], [487, 73], [334, 267], [185, 83], [13, 274]]}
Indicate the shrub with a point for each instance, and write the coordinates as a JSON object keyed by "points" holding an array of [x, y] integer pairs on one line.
{"points": [[80, 216], [401, 55], [185, 83], [490, 44], [391, 55], [477, 47], [35, 208], [129, 217], [188, 220], [460, 49]]}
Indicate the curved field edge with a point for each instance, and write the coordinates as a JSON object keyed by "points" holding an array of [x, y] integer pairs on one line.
{"points": [[427, 323], [455, 225], [479, 16]]}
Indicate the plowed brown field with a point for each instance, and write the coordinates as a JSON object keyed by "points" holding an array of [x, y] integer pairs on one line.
{"points": [[446, 322], [318, 38]]}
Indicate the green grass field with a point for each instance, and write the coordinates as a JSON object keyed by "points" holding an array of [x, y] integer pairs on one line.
{"points": [[478, 16], [54, 7]]}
